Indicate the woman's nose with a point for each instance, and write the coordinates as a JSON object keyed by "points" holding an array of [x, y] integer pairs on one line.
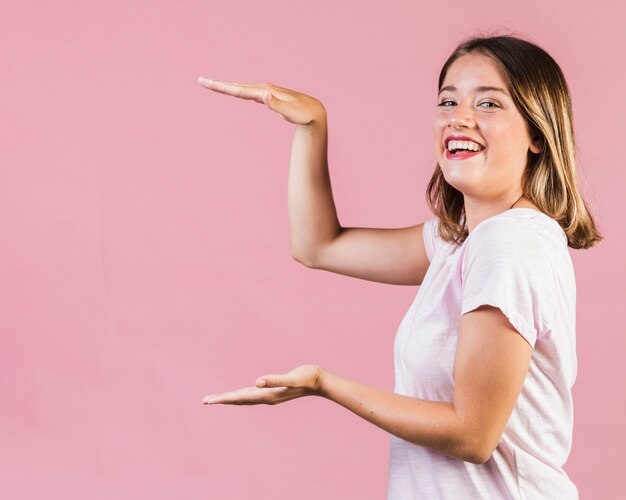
{"points": [[462, 116]]}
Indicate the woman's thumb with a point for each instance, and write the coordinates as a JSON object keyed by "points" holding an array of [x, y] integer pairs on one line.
{"points": [[269, 99], [271, 380]]}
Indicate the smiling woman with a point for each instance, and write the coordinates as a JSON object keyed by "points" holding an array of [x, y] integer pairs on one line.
{"points": [[485, 357]]}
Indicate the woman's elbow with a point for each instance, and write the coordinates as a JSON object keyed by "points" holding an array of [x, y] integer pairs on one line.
{"points": [[480, 457], [481, 452], [476, 450], [305, 260]]}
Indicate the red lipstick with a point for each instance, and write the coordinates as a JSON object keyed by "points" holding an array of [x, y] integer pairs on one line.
{"points": [[461, 155]]}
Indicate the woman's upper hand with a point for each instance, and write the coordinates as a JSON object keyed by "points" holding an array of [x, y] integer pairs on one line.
{"points": [[294, 107], [273, 389]]}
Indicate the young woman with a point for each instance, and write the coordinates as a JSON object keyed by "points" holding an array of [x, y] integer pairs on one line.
{"points": [[485, 357]]}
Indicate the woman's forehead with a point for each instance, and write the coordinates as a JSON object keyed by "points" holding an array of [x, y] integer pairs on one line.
{"points": [[471, 71]]}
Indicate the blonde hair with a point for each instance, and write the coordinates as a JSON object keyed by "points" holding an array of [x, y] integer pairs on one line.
{"points": [[540, 93]]}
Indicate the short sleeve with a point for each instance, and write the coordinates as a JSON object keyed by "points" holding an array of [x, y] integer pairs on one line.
{"points": [[506, 266], [431, 237]]}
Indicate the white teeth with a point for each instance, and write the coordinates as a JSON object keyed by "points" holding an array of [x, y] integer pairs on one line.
{"points": [[472, 146]]}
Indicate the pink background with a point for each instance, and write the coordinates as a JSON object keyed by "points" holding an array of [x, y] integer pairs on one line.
{"points": [[144, 239]]}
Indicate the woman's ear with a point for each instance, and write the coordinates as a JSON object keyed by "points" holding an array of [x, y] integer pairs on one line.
{"points": [[536, 144]]}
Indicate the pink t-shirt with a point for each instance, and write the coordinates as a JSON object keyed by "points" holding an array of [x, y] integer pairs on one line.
{"points": [[518, 261]]}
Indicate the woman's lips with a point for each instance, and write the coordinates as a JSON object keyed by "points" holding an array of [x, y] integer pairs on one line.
{"points": [[462, 154]]}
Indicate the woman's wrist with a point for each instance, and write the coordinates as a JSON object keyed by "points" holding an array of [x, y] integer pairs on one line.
{"points": [[319, 387]]}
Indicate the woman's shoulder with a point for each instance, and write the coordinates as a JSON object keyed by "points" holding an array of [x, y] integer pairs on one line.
{"points": [[520, 224], [520, 239], [514, 231]]}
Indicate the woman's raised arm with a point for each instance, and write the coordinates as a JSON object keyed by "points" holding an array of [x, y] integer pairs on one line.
{"points": [[385, 255]]}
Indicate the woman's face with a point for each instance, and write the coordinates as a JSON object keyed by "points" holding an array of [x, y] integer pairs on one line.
{"points": [[466, 107]]}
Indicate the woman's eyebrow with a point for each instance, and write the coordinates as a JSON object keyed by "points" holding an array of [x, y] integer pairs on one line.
{"points": [[483, 88]]}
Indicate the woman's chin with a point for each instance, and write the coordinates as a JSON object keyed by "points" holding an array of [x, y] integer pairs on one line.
{"points": [[461, 181]]}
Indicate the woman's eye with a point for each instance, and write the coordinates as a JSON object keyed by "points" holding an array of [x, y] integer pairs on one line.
{"points": [[447, 104]]}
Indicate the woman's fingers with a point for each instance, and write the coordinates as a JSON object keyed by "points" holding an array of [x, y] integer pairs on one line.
{"points": [[253, 396], [235, 89], [232, 397]]}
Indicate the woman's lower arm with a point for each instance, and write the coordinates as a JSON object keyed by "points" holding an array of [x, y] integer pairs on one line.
{"points": [[432, 424]]}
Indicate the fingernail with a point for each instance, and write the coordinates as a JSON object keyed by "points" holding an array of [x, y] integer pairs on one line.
{"points": [[204, 80], [261, 383]]}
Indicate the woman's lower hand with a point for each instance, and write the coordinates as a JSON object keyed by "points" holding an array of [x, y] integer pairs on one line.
{"points": [[271, 389]]}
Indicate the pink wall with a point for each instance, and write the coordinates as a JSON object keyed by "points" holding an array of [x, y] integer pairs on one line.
{"points": [[144, 237]]}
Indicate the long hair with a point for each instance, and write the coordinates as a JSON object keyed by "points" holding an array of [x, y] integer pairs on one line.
{"points": [[540, 93]]}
